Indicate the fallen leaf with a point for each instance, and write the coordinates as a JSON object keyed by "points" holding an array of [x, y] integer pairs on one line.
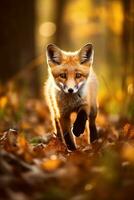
{"points": [[129, 131], [51, 164], [128, 152]]}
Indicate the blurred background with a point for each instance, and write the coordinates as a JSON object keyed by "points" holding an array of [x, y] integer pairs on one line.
{"points": [[28, 26]]}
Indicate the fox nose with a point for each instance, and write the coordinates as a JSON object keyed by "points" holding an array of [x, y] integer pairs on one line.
{"points": [[70, 90]]}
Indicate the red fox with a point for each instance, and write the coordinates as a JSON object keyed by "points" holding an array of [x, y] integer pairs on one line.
{"points": [[71, 87]]}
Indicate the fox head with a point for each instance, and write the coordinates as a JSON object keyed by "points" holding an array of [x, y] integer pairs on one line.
{"points": [[70, 70]]}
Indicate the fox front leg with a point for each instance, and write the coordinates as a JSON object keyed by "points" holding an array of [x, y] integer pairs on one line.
{"points": [[65, 132], [92, 125], [80, 122], [59, 130]]}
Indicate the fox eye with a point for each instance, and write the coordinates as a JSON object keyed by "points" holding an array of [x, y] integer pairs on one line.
{"points": [[78, 75], [63, 75]]}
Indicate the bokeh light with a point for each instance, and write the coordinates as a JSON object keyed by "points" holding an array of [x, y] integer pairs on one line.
{"points": [[47, 29]]}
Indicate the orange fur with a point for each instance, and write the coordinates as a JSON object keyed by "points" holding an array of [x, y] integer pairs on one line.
{"points": [[69, 70]]}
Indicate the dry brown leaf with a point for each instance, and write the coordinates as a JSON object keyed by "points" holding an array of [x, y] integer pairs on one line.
{"points": [[24, 149], [39, 150], [51, 164], [129, 131], [128, 152], [55, 145], [9, 140], [22, 143], [3, 101]]}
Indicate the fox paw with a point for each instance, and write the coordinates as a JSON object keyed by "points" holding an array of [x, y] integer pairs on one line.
{"points": [[69, 142]]}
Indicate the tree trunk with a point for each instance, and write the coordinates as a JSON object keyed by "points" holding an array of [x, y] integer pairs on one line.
{"points": [[17, 40], [61, 36], [127, 41]]}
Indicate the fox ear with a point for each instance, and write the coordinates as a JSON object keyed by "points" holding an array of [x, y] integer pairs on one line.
{"points": [[86, 54], [54, 54]]}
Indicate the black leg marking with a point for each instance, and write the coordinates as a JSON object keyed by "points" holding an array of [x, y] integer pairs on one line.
{"points": [[93, 132], [70, 144], [63, 130], [92, 125], [79, 124]]}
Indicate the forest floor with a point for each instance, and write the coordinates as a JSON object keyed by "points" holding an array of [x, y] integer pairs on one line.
{"points": [[35, 165]]}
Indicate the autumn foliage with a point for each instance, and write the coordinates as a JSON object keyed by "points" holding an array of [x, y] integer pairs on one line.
{"points": [[34, 164]]}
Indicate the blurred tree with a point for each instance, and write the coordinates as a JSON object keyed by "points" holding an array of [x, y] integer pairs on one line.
{"points": [[61, 36], [128, 41], [17, 40]]}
